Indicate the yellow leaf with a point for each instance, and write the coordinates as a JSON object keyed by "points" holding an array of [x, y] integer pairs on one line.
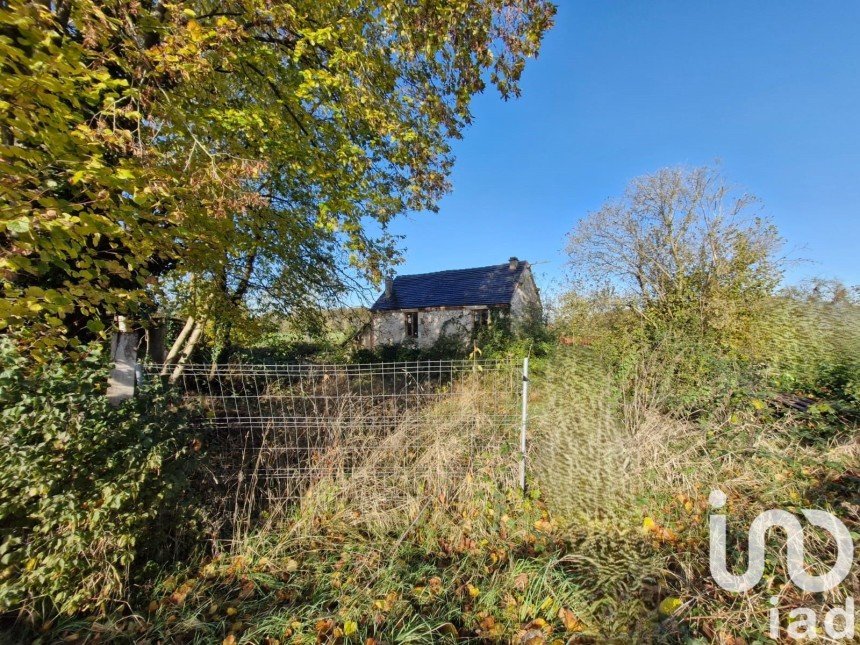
{"points": [[570, 621], [349, 628], [669, 605], [543, 526]]}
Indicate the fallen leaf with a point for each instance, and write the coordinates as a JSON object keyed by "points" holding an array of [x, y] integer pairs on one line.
{"points": [[543, 526], [530, 637], [247, 590], [669, 605], [324, 626], [569, 620], [537, 623]]}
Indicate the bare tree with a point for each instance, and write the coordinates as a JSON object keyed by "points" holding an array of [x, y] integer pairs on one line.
{"points": [[677, 238]]}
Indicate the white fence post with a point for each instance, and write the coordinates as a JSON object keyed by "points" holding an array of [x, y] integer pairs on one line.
{"points": [[524, 424], [124, 356]]}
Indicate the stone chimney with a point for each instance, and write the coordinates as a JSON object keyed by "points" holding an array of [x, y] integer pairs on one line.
{"points": [[389, 287], [513, 264]]}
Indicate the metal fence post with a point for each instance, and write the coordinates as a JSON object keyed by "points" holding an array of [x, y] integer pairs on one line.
{"points": [[524, 424]]}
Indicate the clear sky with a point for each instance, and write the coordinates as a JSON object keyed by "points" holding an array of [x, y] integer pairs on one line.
{"points": [[771, 90]]}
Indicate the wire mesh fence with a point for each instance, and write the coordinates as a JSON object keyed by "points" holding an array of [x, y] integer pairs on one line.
{"points": [[272, 432]]}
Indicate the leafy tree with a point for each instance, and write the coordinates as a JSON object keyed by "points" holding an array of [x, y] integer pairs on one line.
{"points": [[262, 147]]}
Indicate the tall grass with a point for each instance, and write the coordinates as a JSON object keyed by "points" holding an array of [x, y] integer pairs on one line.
{"points": [[419, 533], [634, 435], [425, 538]]}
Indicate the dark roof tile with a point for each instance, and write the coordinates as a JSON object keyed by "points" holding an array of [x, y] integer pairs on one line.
{"points": [[492, 285]]}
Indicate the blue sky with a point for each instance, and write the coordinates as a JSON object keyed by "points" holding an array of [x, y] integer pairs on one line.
{"points": [[771, 90]]}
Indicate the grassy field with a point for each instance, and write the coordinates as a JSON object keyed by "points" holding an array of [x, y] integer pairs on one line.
{"points": [[632, 483], [609, 544]]}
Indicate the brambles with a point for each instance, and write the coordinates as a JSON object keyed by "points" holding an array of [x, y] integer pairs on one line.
{"points": [[79, 483]]}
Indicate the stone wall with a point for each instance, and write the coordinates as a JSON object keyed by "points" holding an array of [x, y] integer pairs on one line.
{"points": [[389, 327], [525, 304]]}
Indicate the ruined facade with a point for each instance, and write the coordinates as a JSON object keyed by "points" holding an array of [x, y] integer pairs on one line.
{"points": [[420, 309]]}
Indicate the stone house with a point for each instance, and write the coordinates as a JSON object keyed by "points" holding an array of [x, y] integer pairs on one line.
{"points": [[420, 309]]}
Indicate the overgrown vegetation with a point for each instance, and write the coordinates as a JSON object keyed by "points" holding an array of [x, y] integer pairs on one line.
{"points": [[398, 547], [686, 370], [701, 375], [80, 483]]}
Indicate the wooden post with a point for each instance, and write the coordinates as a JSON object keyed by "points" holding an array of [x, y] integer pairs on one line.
{"points": [[155, 341]]}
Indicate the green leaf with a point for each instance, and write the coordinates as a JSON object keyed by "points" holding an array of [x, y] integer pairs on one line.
{"points": [[95, 325], [18, 226]]}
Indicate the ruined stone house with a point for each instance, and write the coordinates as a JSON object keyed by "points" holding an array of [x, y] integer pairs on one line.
{"points": [[420, 309]]}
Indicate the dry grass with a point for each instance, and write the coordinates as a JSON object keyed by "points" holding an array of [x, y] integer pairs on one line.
{"points": [[382, 481], [444, 547], [620, 470], [425, 537]]}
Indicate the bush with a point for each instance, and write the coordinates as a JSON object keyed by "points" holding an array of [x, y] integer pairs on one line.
{"points": [[508, 338], [79, 481]]}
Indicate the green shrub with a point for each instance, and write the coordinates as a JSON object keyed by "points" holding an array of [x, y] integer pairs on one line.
{"points": [[506, 338], [79, 481]]}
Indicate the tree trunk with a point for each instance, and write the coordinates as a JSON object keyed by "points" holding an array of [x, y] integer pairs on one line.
{"points": [[186, 352], [177, 345]]}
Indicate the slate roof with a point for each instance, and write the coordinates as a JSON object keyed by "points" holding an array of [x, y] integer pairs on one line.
{"points": [[492, 285]]}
